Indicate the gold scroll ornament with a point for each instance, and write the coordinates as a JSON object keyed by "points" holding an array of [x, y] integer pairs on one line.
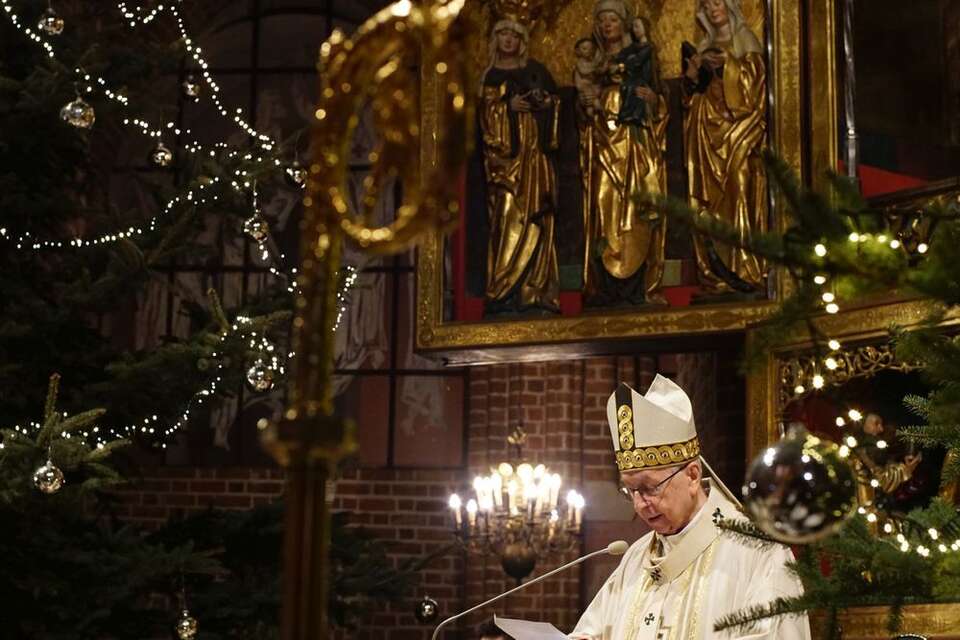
{"points": [[378, 63], [376, 66]]}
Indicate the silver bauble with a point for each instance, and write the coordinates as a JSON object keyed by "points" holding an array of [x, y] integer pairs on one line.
{"points": [[426, 610], [801, 489], [78, 113], [48, 478], [260, 376], [256, 227], [296, 174], [186, 626], [161, 156], [50, 22], [191, 87]]}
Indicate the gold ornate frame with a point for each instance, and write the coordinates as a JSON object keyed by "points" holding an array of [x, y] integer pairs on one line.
{"points": [[933, 621], [795, 56], [864, 334]]}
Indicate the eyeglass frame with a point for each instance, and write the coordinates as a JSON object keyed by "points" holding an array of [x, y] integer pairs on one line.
{"points": [[654, 492]]}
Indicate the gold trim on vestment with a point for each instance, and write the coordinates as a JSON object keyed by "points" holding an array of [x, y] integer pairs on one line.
{"points": [[625, 427], [656, 456], [694, 630]]}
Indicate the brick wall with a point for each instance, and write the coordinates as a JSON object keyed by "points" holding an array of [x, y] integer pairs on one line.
{"points": [[562, 407], [164, 492], [407, 509]]}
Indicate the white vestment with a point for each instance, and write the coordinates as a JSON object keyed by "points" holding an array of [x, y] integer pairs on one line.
{"points": [[675, 587]]}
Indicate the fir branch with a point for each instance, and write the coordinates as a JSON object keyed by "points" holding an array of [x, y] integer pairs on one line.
{"points": [[216, 308], [743, 620], [81, 420], [747, 532], [49, 408]]}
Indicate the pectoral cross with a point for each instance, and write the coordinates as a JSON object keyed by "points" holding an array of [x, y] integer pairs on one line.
{"points": [[656, 575], [717, 516], [649, 619]]}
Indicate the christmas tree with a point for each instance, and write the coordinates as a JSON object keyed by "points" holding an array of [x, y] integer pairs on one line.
{"points": [[104, 193]]}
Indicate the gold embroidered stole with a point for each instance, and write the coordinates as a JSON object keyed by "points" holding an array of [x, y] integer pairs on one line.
{"points": [[670, 572]]}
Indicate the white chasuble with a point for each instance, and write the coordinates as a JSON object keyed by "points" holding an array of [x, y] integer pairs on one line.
{"points": [[676, 587]]}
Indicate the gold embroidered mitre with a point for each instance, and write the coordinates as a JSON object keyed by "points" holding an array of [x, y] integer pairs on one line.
{"points": [[653, 430]]}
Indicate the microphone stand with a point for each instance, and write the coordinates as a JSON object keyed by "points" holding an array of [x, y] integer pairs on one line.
{"points": [[518, 588]]}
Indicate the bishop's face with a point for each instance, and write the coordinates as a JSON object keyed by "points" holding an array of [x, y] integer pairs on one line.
{"points": [[665, 499], [716, 11]]}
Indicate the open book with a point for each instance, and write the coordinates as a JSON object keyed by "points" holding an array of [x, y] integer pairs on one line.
{"points": [[523, 630]]}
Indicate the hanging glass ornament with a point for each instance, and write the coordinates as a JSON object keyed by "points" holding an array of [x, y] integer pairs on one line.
{"points": [[256, 227], [801, 489], [78, 113], [161, 156], [296, 174], [50, 22], [48, 478], [186, 626], [426, 610], [191, 87], [260, 376]]}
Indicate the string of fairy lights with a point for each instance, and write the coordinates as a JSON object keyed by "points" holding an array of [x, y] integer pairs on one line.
{"points": [[831, 303], [919, 541], [932, 539], [138, 16], [268, 363], [81, 114], [261, 374]]}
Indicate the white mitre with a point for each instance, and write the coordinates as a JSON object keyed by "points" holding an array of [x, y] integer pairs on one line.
{"points": [[652, 430]]}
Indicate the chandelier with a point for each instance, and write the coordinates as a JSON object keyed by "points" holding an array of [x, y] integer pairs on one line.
{"points": [[515, 513]]}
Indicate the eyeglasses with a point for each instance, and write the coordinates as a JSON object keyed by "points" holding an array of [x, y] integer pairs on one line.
{"points": [[649, 492]]}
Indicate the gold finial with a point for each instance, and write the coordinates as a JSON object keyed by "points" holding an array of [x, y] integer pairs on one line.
{"points": [[527, 12]]}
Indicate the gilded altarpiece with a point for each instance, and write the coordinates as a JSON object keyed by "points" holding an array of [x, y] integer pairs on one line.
{"points": [[615, 270]]}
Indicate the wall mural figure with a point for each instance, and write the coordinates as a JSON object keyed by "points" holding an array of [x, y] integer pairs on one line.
{"points": [[622, 145], [724, 133], [518, 112]]}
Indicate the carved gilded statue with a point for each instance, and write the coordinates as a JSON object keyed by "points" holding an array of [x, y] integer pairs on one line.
{"points": [[518, 113], [622, 145], [724, 132]]}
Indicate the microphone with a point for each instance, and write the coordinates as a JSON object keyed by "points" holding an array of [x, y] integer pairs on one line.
{"points": [[616, 548]]}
